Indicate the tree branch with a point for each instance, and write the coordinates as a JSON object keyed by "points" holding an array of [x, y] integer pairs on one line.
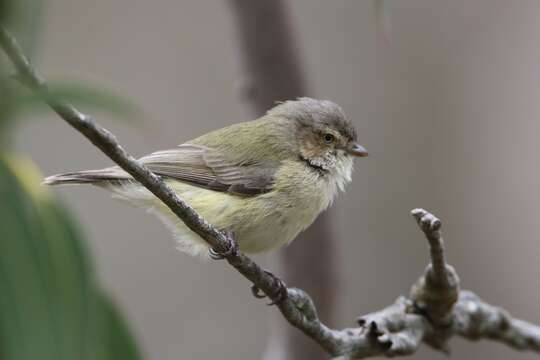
{"points": [[435, 311]]}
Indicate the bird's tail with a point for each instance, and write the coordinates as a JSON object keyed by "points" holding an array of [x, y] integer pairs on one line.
{"points": [[95, 177]]}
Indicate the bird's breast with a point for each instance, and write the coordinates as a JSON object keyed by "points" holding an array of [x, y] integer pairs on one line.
{"points": [[298, 197]]}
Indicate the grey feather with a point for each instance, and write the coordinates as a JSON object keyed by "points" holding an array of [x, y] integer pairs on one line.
{"points": [[205, 167], [193, 164], [88, 176]]}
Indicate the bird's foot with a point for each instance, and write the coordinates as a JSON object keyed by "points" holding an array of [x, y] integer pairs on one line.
{"points": [[279, 290], [231, 249]]}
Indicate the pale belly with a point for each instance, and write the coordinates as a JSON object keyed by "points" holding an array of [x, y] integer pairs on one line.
{"points": [[259, 223], [279, 221]]}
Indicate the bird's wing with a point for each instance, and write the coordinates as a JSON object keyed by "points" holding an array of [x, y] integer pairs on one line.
{"points": [[205, 167]]}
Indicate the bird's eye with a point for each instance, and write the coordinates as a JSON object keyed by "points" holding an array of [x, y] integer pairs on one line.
{"points": [[328, 138]]}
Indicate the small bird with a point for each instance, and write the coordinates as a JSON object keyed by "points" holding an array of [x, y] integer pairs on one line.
{"points": [[265, 180]]}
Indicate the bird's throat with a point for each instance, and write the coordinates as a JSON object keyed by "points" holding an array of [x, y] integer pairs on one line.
{"points": [[316, 165]]}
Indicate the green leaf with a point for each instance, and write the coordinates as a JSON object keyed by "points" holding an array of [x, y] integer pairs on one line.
{"points": [[119, 345], [22, 17], [50, 304], [6, 113], [82, 95]]}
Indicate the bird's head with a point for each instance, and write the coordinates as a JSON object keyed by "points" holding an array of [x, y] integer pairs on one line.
{"points": [[324, 136]]}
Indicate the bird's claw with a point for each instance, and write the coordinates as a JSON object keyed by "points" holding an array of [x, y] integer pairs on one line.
{"points": [[279, 292], [232, 248]]}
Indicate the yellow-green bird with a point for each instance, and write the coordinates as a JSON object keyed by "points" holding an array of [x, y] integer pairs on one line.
{"points": [[266, 180]]}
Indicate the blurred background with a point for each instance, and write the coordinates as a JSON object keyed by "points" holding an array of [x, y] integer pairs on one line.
{"points": [[448, 111]]}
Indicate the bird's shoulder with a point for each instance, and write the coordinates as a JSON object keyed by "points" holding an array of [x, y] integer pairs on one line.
{"points": [[241, 159], [267, 139]]}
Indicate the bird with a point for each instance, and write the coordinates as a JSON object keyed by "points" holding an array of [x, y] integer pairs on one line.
{"points": [[264, 180]]}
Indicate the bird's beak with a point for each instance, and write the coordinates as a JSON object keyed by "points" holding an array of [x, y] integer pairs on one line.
{"points": [[357, 150]]}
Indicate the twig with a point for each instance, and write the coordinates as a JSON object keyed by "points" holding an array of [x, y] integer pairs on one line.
{"points": [[399, 329], [436, 292]]}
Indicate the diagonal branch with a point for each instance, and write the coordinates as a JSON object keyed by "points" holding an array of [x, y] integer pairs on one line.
{"points": [[107, 143], [435, 311]]}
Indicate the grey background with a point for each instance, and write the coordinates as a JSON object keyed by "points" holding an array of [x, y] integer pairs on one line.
{"points": [[449, 113]]}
